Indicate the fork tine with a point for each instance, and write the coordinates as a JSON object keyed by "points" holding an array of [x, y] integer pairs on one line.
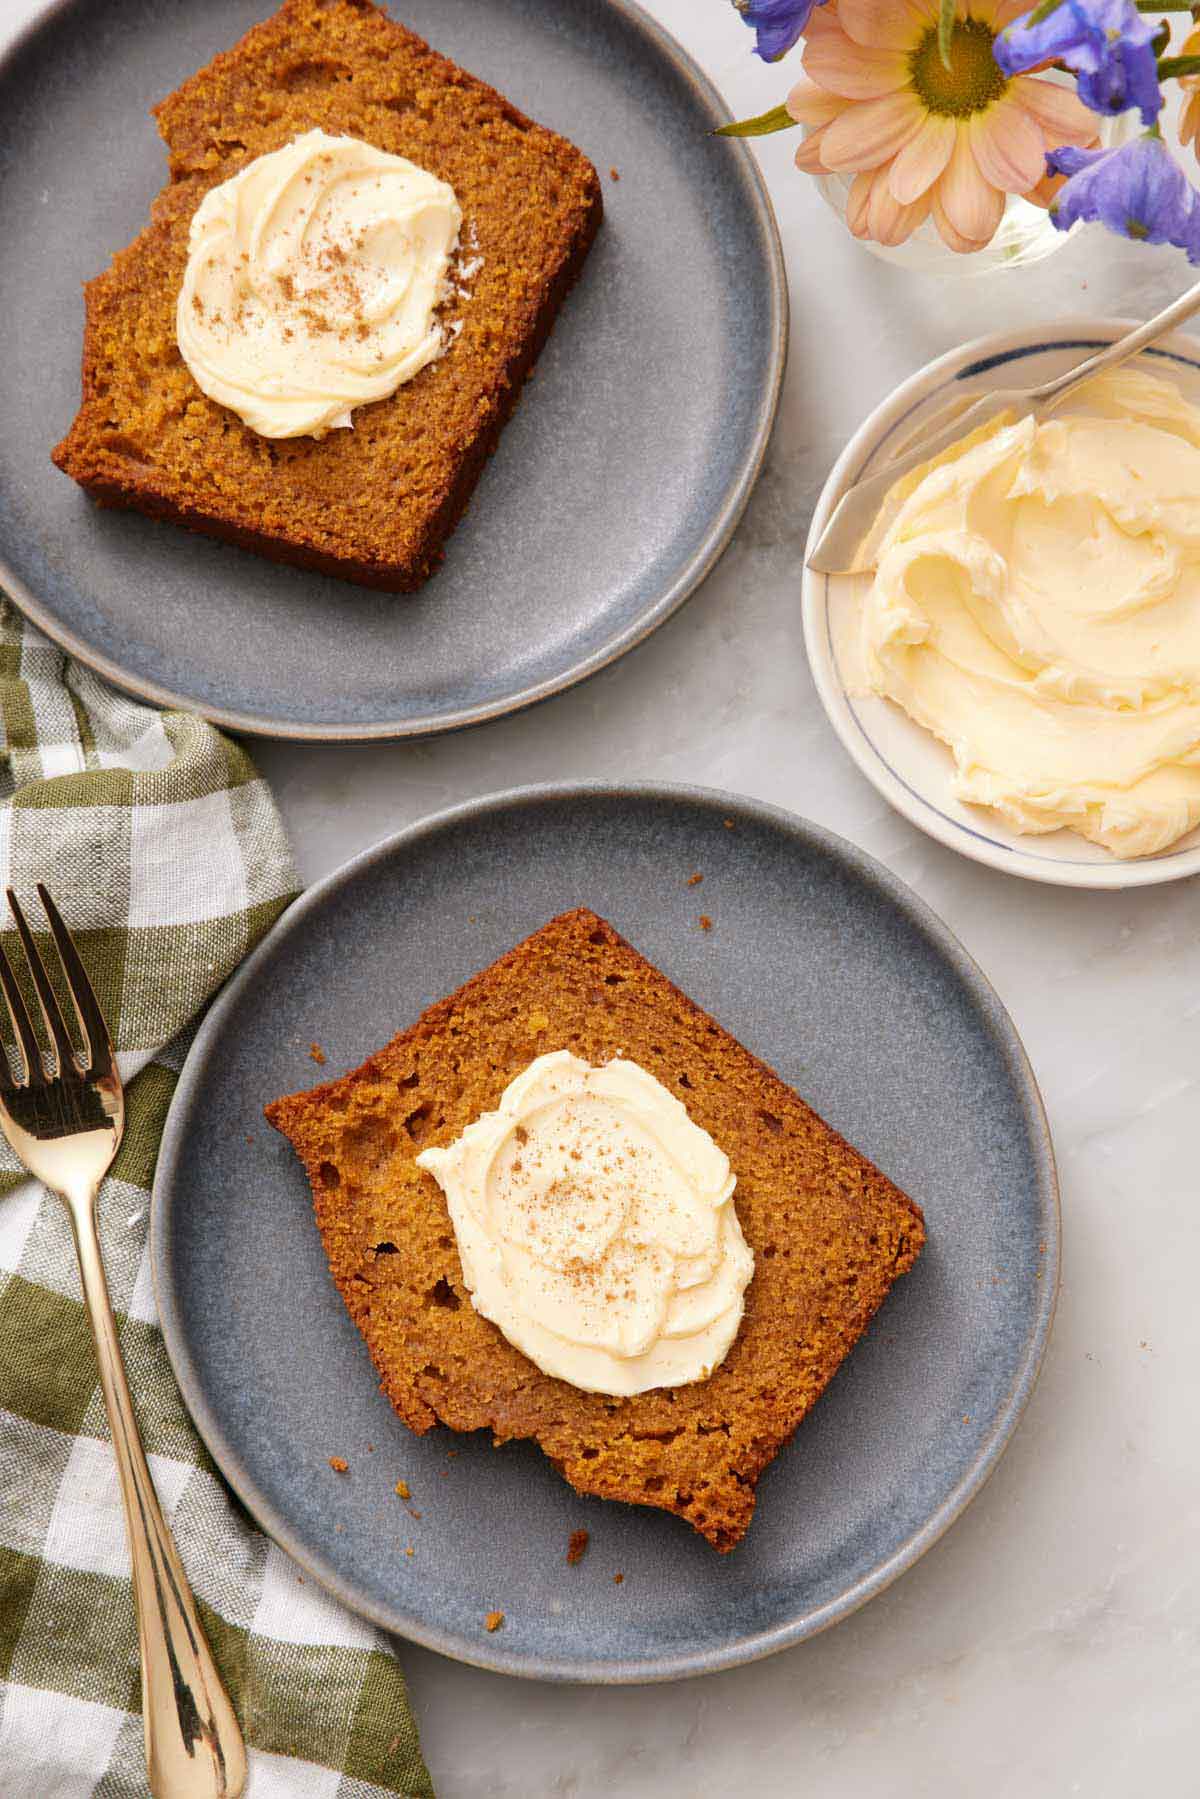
{"points": [[47, 999], [27, 1042], [87, 1007]]}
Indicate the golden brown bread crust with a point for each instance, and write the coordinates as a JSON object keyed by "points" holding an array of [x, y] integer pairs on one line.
{"points": [[829, 1232], [375, 504]]}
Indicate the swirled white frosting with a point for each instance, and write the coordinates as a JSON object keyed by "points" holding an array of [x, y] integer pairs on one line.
{"points": [[312, 281], [1036, 605], [596, 1226]]}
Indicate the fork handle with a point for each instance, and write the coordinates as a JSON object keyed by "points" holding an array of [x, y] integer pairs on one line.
{"points": [[194, 1748]]}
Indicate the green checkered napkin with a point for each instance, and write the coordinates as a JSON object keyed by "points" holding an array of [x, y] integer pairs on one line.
{"points": [[166, 856]]}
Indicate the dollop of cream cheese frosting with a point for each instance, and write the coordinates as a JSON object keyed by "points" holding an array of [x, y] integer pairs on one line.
{"points": [[1036, 605], [596, 1226], [312, 283]]}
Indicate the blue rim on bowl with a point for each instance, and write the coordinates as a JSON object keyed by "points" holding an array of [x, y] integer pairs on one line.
{"points": [[899, 758], [312, 918]]}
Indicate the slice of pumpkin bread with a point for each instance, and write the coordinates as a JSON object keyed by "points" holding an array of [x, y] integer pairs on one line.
{"points": [[829, 1232], [374, 504]]}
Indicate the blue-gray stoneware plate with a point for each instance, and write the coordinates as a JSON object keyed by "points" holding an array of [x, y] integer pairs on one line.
{"points": [[822, 963], [615, 487]]}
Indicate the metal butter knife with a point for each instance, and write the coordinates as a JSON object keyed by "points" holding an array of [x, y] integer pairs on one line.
{"points": [[836, 550]]}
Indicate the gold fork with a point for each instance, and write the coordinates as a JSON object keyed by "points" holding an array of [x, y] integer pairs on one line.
{"points": [[66, 1126]]}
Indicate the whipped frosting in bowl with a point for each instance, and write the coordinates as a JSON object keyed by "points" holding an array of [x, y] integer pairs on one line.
{"points": [[312, 283], [1035, 604], [596, 1226]]}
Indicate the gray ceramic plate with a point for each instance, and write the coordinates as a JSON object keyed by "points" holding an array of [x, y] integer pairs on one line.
{"points": [[822, 963], [616, 485]]}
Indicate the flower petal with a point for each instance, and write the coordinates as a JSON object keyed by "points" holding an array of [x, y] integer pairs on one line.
{"points": [[872, 132], [922, 160], [1009, 148], [858, 202], [808, 153], [1189, 122], [858, 71], [1107, 44], [1063, 117], [777, 24], [887, 24], [1046, 190], [1003, 12], [972, 206], [954, 240], [811, 105], [889, 222], [1138, 190]]}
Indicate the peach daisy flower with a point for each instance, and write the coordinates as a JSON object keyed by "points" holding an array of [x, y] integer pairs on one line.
{"points": [[1189, 118], [921, 139]]}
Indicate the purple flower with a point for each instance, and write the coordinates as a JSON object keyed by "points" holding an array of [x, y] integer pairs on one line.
{"points": [[777, 23], [1138, 190], [1107, 44]]}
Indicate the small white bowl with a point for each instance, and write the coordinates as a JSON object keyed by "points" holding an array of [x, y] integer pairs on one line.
{"points": [[911, 768]]}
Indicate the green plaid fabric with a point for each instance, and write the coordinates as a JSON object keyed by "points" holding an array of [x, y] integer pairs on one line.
{"points": [[166, 856]]}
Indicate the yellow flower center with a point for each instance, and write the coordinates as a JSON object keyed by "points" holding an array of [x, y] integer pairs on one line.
{"points": [[972, 81]]}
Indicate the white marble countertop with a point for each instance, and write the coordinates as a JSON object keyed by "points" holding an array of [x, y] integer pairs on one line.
{"points": [[1050, 1644]]}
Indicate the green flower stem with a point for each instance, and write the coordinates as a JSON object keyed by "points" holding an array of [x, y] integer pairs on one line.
{"points": [[1171, 66], [946, 17], [777, 119]]}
